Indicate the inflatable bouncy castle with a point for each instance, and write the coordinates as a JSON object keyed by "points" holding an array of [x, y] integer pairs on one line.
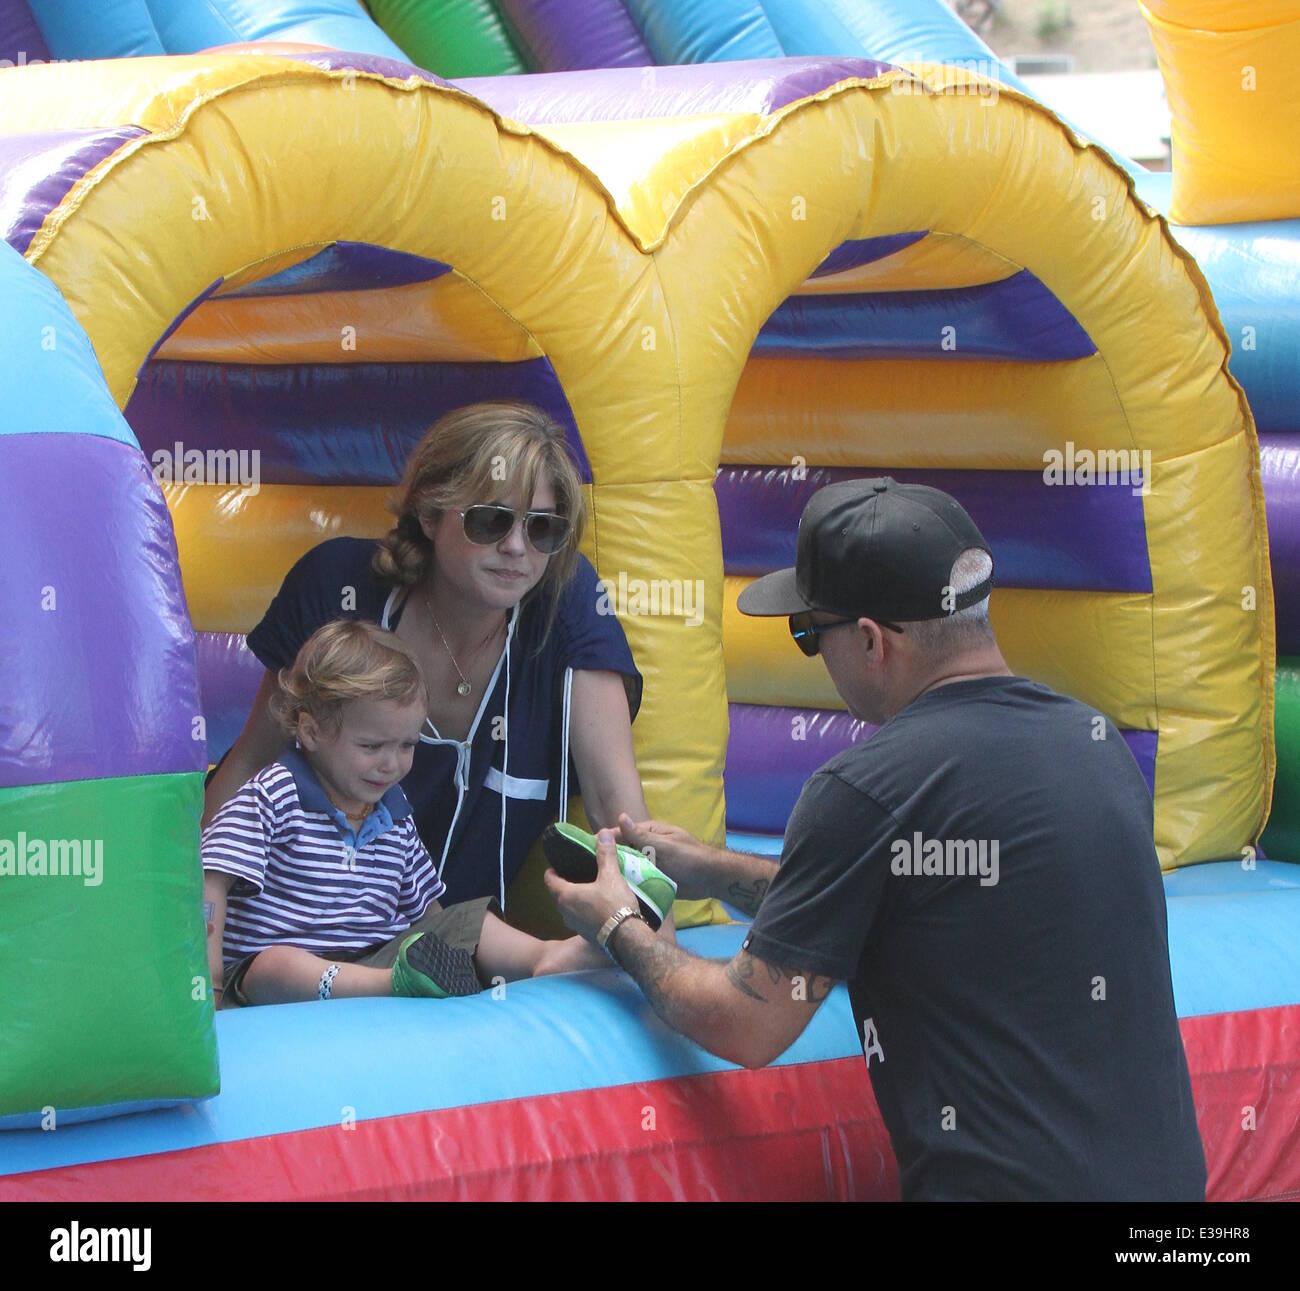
{"points": [[737, 256]]}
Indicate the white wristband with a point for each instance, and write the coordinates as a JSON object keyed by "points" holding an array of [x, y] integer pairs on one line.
{"points": [[326, 981]]}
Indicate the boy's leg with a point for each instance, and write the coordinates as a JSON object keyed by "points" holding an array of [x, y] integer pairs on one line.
{"points": [[291, 975], [506, 952], [460, 926], [499, 951]]}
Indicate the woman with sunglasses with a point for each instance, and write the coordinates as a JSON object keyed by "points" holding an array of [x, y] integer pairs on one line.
{"points": [[481, 578]]}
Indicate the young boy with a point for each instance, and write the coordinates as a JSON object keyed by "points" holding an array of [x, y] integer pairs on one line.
{"points": [[317, 884]]}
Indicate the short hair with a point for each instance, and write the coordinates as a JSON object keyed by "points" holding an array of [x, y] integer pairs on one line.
{"points": [[964, 628], [346, 659]]}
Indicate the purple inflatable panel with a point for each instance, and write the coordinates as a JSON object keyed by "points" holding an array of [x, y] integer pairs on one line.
{"points": [[860, 251], [346, 423], [229, 675], [629, 94], [1076, 539], [347, 266], [21, 41], [38, 170], [772, 751], [95, 618], [573, 35], [1279, 465]]}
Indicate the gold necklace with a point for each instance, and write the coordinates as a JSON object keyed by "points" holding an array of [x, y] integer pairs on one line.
{"points": [[464, 688]]}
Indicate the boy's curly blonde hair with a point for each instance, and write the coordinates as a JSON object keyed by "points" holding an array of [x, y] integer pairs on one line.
{"points": [[346, 659]]}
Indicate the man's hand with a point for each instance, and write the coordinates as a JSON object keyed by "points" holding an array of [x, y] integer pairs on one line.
{"points": [[586, 906], [689, 862], [738, 878]]}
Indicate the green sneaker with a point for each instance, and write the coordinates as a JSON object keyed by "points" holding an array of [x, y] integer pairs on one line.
{"points": [[572, 853], [426, 966]]}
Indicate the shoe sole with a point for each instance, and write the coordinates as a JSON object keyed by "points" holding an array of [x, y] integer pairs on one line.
{"points": [[449, 968], [575, 862]]}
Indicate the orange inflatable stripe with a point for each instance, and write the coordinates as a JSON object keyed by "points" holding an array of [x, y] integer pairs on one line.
{"points": [[448, 320]]}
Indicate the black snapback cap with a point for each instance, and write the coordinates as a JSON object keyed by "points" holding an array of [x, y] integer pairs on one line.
{"points": [[873, 549]]}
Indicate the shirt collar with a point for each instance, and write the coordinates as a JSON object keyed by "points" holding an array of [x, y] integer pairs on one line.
{"points": [[393, 804]]}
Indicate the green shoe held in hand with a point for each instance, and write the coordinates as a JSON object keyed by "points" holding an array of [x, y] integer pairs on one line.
{"points": [[572, 854]]}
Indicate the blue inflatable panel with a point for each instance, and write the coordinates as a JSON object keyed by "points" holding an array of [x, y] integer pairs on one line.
{"points": [[52, 380], [1017, 318], [1239, 949], [297, 1066], [685, 31], [185, 27], [1254, 272], [760, 844], [898, 31], [97, 29]]}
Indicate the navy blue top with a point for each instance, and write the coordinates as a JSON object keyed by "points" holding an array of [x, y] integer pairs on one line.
{"points": [[454, 787]]}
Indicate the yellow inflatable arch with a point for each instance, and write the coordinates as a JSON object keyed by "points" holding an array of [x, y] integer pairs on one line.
{"points": [[647, 262]]}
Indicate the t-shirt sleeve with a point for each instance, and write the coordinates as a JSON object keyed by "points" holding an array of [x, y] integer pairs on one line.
{"points": [[831, 884], [588, 638], [313, 593], [238, 837], [421, 885]]}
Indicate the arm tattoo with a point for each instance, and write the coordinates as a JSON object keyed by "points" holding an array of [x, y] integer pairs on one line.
{"points": [[741, 976], [747, 897], [651, 962], [815, 988]]}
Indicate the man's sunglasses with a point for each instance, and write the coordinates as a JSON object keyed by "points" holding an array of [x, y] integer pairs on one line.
{"points": [[486, 524], [805, 632]]}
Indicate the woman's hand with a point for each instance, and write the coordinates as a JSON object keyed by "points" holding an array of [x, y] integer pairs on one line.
{"points": [[693, 865]]}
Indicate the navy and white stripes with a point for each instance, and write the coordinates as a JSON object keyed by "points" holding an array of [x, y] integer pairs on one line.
{"points": [[303, 878]]}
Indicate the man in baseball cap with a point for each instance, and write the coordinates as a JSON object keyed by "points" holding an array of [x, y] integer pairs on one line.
{"points": [[875, 554], [973, 871]]}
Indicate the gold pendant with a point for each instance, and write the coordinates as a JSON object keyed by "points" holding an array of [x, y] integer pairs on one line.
{"points": [[463, 688]]}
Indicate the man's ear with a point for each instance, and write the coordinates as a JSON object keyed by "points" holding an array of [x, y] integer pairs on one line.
{"points": [[874, 638]]}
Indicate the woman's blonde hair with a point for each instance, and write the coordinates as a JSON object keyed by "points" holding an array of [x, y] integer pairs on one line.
{"points": [[346, 659], [475, 454]]}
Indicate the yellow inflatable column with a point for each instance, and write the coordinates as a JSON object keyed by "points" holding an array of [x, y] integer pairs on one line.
{"points": [[1230, 69]]}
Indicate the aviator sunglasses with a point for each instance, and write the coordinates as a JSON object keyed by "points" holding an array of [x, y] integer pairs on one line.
{"points": [[805, 632], [487, 523]]}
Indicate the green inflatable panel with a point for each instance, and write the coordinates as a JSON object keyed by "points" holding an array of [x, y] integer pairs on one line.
{"points": [[1281, 839], [450, 37], [104, 995]]}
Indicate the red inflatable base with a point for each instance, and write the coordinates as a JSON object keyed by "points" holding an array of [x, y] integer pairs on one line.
{"points": [[733, 1135]]}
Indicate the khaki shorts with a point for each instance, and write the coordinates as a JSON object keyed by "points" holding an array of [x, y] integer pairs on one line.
{"points": [[460, 925]]}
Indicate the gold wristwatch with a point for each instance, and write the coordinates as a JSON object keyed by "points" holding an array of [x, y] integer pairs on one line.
{"points": [[607, 928]]}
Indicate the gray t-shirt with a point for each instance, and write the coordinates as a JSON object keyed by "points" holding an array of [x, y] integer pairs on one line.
{"points": [[982, 874]]}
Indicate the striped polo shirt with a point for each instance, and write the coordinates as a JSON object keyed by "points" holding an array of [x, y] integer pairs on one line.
{"points": [[304, 878]]}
